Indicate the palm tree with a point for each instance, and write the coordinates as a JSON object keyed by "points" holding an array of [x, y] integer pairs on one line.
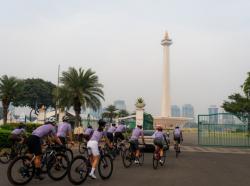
{"points": [[81, 89], [9, 87], [110, 112]]}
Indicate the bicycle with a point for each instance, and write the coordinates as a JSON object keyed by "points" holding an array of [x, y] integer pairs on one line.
{"points": [[157, 157], [56, 165], [9, 153], [80, 167], [129, 156], [82, 147]]}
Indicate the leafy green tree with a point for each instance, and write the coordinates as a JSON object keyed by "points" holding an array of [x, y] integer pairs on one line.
{"points": [[9, 89], [81, 89], [123, 113], [35, 93], [239, 105], [110, 113]]}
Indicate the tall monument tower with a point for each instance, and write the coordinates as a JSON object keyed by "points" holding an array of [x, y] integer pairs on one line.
{"points": [[165, 119], [165, 104]]}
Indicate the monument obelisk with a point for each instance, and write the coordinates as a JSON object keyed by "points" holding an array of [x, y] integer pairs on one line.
{"points": [[165, 104], [165, 119]]}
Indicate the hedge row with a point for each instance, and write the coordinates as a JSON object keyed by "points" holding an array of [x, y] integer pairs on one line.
{"points": [[4, 138], [29, 126]]}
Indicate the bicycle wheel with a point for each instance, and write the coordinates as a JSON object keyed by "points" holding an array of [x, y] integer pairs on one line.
{"points": [[78, 170], [69, 154], [105, 167], [141, 158], [82, 147], [155, 161], [58, 166], [5, 155], [20, 171], [177, 152], [163, 158], [127, 158]]}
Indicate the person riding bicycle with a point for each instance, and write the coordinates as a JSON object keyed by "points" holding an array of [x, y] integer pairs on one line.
{"points": [[159, 140], [134, 141], [34, 142], [64, 130], [177, 133], [119, 131], [88, 133], [110, 132], [93, 145], [18, 135]]}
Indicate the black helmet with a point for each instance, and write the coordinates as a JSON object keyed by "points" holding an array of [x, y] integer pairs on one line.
{"points": [[21, 125], [65, 118], [113, 124], [101, 123]]}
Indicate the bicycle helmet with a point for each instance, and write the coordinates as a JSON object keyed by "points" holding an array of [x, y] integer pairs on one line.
{"points": [[65, 118], [101, 123], [50, 120]]}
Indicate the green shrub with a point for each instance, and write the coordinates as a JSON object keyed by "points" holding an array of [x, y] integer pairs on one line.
{"points": [[4, 138], [29, 126]]}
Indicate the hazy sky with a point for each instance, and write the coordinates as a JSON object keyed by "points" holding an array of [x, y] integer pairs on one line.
{"points": [[120, 40]]}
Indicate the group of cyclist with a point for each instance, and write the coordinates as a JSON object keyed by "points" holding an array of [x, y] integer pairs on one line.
{"points": [[111, 134]]}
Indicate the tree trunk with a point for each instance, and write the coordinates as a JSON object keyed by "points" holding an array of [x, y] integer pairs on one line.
{"points": [[5, 110], [31, 113]]}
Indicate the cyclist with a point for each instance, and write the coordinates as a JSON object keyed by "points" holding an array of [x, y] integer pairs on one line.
{"points": [[159, 140], [134, 141], [110, 132], [177, 133], [93, 145], [64, 130], [34, 142], [88, 133], [18, 135], [119, 131]]}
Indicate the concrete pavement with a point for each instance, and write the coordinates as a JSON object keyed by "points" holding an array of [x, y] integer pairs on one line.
{"points": [[190, 169]]}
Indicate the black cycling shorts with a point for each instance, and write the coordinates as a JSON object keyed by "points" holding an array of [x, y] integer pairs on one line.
{"points": [[119, 135], [34, 145], [134, 144], [177, 139], [63, 140], [110, 136], [159, 143]]}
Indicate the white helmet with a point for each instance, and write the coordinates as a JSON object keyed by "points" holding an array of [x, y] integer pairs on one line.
{"points": [[51, 120]]}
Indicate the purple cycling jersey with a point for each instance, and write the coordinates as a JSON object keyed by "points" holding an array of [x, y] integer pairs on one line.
{"points": [[63, 129], [44, 130], [159, 135], [97, 136], [88, 131], [111, 129], [121, 128], [18, 131], [137, 132]]}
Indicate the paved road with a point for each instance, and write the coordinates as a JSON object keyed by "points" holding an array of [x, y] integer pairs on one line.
{"points": [[190, 169]]}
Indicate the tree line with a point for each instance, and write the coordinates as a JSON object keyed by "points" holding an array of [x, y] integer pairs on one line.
{"points": [[79, 89]]}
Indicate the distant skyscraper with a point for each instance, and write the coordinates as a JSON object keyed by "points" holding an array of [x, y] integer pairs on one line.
{"points": [[188, 111], [120, 104], [175, 111], [213, 111]]}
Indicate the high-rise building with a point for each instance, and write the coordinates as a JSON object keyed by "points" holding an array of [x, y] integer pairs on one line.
{"points": [[120, 104], [213, 111], [188, 111], [175, 111]]}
